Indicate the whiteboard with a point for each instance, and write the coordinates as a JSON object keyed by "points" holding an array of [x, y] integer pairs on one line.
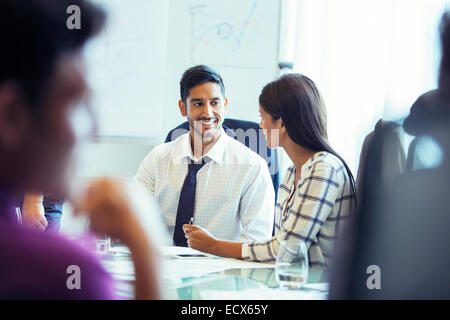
{"points": [[136, 64], [126, 65], [237, 38]]}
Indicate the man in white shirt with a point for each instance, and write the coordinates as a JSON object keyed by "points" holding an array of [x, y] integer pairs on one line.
{"points": [[206, 177]]}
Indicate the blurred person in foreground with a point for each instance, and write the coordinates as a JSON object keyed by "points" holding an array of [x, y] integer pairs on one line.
{"points": [[42, 81]]}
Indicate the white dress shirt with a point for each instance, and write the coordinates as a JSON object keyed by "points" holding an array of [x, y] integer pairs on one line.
{"points": [[234, 197]]}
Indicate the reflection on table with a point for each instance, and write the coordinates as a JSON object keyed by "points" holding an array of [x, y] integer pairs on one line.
{"points": [[237, 279]]}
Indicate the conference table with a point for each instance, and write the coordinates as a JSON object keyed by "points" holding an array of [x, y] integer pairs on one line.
{"points": [[206, 277]]}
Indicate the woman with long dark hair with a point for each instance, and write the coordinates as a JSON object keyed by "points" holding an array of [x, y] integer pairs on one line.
{"points": [[318, 191]]}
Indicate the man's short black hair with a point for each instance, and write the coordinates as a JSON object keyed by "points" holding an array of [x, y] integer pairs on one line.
{"points": [[34, 34], [198, 75]]}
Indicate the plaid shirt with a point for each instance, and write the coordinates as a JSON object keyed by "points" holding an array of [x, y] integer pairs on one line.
{"points": [[321, 202]]}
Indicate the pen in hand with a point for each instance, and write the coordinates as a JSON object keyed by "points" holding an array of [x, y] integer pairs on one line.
{"points": [[186, 228], [191, 222]]}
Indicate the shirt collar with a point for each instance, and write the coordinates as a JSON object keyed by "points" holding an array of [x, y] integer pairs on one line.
{"points": [[214, 154], [307, 165], [309, 162]]}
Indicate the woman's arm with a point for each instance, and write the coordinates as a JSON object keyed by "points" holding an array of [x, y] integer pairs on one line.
{"points": [[202, 240], [110, 212], [145, 268], [314, 202]]}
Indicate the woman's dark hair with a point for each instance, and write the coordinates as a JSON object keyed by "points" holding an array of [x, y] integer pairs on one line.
{"points": [[444, 70], [34, 35], [198, 75], [296, 100]]}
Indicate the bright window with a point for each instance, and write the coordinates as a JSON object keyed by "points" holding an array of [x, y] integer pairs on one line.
{"points": [[371, 59]]}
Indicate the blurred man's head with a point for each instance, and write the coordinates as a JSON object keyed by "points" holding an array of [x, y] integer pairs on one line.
{"points": [[42, 82], [444, 72]]}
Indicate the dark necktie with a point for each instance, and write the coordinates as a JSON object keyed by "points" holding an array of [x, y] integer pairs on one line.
{"points": [[186, 204]]}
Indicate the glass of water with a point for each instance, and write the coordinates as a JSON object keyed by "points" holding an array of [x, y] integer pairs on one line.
{"points": [[292, 265]]}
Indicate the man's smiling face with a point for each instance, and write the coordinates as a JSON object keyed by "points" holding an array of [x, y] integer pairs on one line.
{"points": [[205, 108]]}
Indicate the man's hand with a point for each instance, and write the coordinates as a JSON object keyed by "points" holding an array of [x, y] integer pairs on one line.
{"points": [[33, 213], [200, 239]]}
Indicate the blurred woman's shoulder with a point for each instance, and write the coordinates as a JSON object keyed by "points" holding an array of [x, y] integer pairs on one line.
{"points": [[39, 266]]}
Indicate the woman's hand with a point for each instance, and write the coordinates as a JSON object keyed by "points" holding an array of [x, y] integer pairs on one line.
{"points": [[108, 207], [200, 239]]}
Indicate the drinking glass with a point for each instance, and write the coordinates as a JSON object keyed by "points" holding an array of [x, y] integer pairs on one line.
{"points": [[291, 267]]}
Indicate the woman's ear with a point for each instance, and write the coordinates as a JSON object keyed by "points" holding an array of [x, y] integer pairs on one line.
{"points": [[281, 126]]}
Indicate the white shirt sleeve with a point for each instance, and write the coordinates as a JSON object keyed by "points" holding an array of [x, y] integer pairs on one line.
{"points": [[256, 207], [146, 173]]}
